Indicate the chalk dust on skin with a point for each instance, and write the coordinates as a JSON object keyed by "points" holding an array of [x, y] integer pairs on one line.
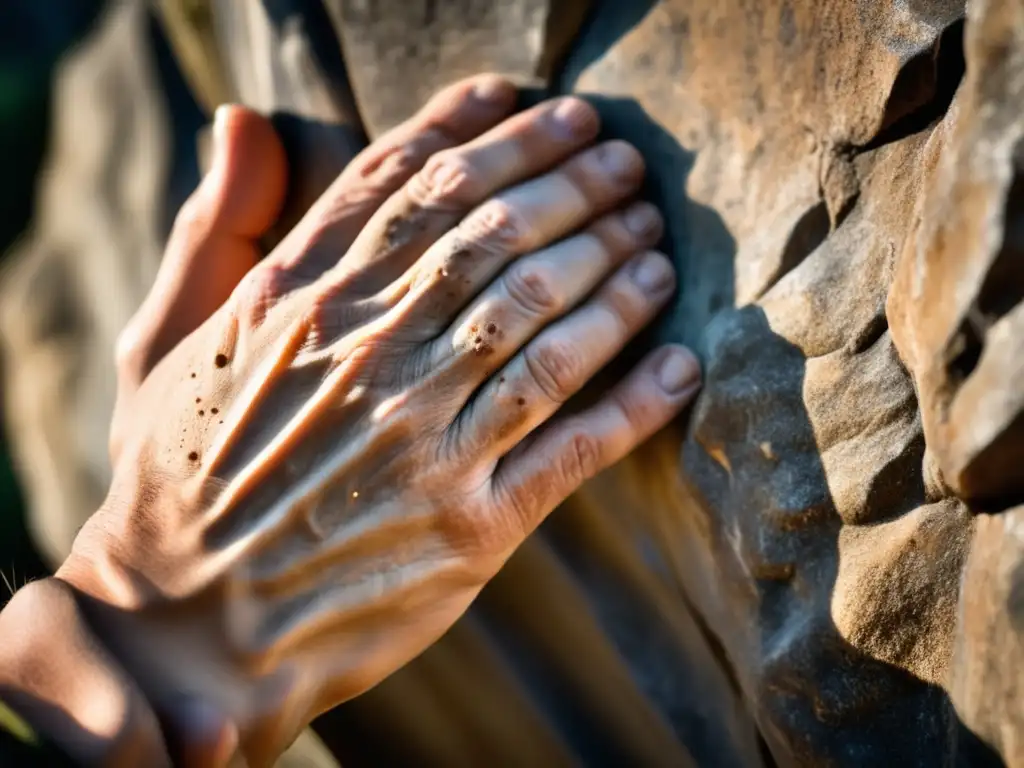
{"points": [[401, 230]]}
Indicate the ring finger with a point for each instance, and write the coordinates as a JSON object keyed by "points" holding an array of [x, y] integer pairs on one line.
{"points": [[561, 359], [536, 290]]}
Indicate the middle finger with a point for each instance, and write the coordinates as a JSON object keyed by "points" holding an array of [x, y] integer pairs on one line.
{"points": [[452, 182], [535, 291], [517, 221]]}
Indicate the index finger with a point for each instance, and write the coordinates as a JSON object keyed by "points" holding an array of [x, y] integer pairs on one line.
{"points": [[456, 114]]}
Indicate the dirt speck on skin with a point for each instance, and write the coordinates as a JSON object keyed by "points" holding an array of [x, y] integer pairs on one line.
{"points": [[521, 401], [403, 229], [214, 411], [220, 360], [194, 456], [481, 347], [202, 413], [492, 328], [193, 375], [199, 399]]}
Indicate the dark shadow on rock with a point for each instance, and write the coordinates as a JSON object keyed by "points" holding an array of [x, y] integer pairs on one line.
{"points": [[317, 152], [775, 529], [607, 22]]}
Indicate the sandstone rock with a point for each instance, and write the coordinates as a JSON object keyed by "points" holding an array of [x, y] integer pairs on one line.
{"points": [[801, 567], [956, 305]]}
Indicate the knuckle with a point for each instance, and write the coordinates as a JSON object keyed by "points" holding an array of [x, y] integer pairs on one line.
{"points": [[129, 350], [532, 289], [487, 531], [408, 157], [260, 290], [555, 368], [636, 411], [194, 214], [433, 139], [497, 226], [447, 180], [626, 303], [321, 318], [604, 172], [612, 235], [581, 458]]}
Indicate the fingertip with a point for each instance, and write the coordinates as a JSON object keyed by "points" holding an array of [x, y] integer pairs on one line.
{"points": [[467, 108], [655, 274], [252, 171], [644, 222], [494, 90], [678, 371], [577, 118]]}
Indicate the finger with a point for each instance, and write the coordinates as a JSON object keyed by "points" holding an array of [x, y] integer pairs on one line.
{"points": [[516, 221], [213, 243], [562, 358], [537, 289], [456, 114], [537, 477], [455, 181]]}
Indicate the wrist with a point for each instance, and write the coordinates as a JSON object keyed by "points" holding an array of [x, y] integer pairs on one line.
{"points": [[211, 702], [58, 675]]}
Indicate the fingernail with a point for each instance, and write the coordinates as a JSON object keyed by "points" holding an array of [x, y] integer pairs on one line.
{"points": [[653, 273], [617, 159], [642, 219], [575, 117], [679, 371]]}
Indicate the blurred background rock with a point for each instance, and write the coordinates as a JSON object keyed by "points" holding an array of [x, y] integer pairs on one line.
{"points": [[33, 37]]}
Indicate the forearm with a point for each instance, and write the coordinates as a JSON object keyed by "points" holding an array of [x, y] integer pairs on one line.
{"points": [[57, 676]]}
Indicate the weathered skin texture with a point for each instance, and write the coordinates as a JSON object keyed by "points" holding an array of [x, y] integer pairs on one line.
{"points": [[826, 555]]}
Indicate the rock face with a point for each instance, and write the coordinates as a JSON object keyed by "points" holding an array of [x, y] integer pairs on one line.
{"points": [[824, 562]]}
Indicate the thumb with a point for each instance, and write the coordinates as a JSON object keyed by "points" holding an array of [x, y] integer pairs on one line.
{"points": [[214, 241]]}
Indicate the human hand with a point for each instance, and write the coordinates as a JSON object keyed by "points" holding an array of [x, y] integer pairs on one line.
{"points": [[53, 669], [318, 480]]}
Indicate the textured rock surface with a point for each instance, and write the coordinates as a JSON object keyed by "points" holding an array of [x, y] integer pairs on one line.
{"points": [[823, 561]]}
